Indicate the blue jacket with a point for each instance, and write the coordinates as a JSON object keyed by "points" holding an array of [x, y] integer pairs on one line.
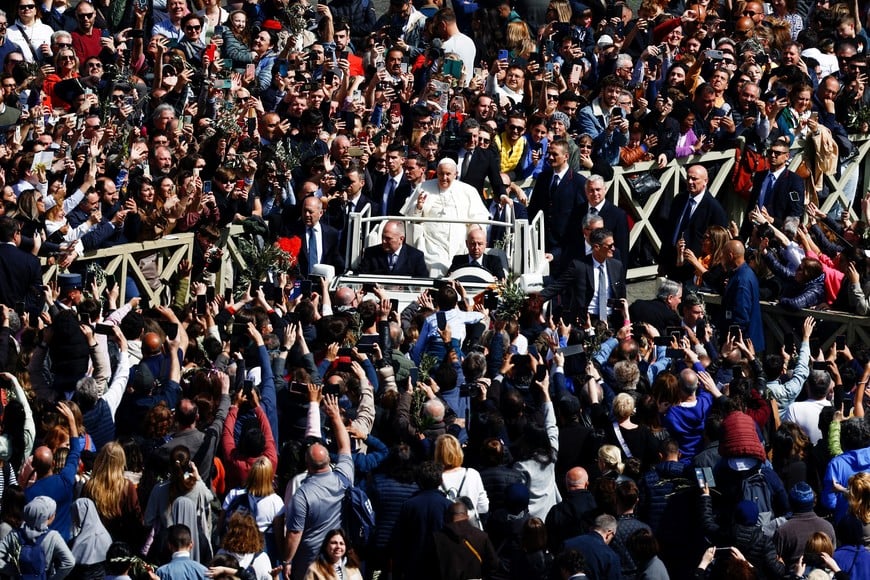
{"points": [[839, 470], [602, 563], [741, 305], [59, 487], [686, 424]]}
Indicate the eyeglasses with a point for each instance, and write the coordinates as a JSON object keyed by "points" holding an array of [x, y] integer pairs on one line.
{"points": [[749, 13], [95, 65], [516, 128], [776, 153], [3, 25], [552, 97], [64, 44], [63, 57], [609, 246], [9, 85], [193, 27], [86, 15], [27, 6], [97, 126]]}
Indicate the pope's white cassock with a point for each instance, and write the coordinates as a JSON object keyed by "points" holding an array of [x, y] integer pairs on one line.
{"points": [[444, 197]]}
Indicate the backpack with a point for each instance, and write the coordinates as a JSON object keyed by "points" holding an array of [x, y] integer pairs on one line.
{"points": [[755, 489], [31, 562], [357, 514], [244, 503], [454, 494]]}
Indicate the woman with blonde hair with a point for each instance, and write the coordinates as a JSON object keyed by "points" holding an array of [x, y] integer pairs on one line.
{"points": [[519, 40], [259, 488], [631, 439], [610, 462], [115, 496], [559, 11], [457, 481], [244, 542]]}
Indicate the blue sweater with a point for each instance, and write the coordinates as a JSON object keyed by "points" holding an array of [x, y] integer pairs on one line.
{"points": [[686, 424], [59, 487]]}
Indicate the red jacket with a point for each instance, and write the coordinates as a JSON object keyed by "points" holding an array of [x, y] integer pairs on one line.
{"points": [[237, 467]]}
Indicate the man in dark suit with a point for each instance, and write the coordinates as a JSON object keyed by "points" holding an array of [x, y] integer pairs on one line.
{"points": [[20, 273], [614, 218], [406, 260], [581, 286], [476, 164], [661, 311], [778, 190], [326, 248], [390, 190], [558, 193], [691, 214], [476, 256]]}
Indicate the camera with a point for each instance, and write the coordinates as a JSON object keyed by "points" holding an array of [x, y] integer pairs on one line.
{"points": [[471, 390]]}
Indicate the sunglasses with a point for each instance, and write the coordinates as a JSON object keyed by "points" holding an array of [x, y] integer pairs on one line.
{"points": [[86, 15], [516, 128], [552, 97], [27, 6], [194, 27]]}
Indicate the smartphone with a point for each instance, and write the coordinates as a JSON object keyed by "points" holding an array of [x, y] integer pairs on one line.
{"points": [[781, 92], [734, 330], [250, 70], [394, 304], [206, 186], [414, 375], [614, 11], [841, 341], [613, 303], [441, 318], [171, 329], [298, 389], [820, 366], [572, 350], [228, 295], [616, 112], [104, 329], [576, 70], [814, 116], [209, 294], [701, 329], [240, 184], [368, 287], [283, 68], [714, 54], [328, 78], [227, 64], [84, 317], [676, 353], [19, 309], [248, 388], [355, 151], [305, 288], [201, 304], [502, 54], [106, 33]]}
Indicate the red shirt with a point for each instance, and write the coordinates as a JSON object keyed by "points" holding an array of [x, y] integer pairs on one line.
{"points": [[87, 45]]}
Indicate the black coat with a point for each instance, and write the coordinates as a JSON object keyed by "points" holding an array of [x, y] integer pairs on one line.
{"points": [[786, 199], [332, 253], [20, 274], [615, 220], [490, 263], [409, 263], [560, 206], [484, 164], [655, 312], [709, 212], [400, 194], [576, 285]]}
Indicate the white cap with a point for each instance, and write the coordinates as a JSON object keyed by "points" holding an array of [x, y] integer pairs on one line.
{"points": [[605, 41]]}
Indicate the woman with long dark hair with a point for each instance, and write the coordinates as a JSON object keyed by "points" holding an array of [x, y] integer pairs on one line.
{"points": [[184, 482], [336, 561]]}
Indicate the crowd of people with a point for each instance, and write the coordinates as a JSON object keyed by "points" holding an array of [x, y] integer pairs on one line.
{"points": [[297, 427]]}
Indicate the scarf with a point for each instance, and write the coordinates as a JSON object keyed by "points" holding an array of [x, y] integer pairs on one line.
{"points": [[510, 156]]}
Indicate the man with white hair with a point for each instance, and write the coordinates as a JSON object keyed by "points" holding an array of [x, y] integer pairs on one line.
{"points": [[443, 197]]}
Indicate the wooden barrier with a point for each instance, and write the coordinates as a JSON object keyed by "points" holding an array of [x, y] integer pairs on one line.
{"points": [[123, 261], [672, 178]]}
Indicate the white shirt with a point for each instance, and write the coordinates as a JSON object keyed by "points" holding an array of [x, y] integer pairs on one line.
{"points": [[464, 47], [318, 236], [38, 33], [806, 414], [597, 269]]}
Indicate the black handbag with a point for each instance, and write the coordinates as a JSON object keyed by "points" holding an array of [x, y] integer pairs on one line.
{"points": [[642, 186]]}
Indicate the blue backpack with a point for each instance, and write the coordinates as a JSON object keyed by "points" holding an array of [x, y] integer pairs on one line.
{"points": [[31, 563], [358, 516]]}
